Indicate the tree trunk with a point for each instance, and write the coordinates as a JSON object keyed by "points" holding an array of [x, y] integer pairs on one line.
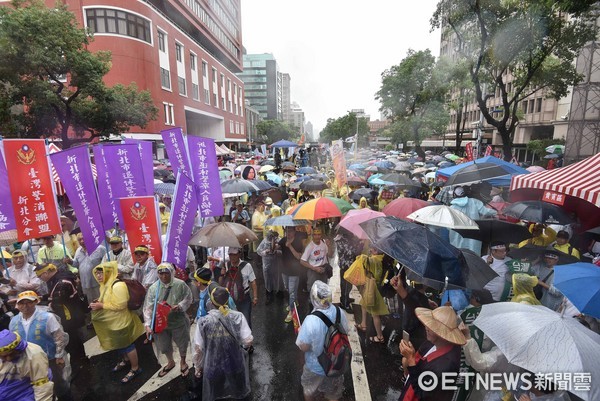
{"points": [[507, 146]]}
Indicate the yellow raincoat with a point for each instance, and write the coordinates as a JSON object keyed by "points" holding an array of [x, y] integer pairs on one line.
{"points": [[523, 285], [275, 212], [116, 326], [373, 266]]}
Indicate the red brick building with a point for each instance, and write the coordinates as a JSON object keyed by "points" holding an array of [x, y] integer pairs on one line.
{"points": [[185, 52]]}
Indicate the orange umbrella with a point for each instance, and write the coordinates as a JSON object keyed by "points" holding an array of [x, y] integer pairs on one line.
{"points": [[321, 208]]}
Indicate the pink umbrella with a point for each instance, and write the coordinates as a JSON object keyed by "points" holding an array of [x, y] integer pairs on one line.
{"points": [[353, 218], [402, 207], [535, 169]]}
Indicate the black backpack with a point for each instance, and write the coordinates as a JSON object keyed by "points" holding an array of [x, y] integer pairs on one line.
{"points": [[336, 355]]}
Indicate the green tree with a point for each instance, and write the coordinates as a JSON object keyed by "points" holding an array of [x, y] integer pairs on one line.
{"points": [[538, 147], [516, 48], [345, 127], [412, 94], [54, 85], [275, 130]]}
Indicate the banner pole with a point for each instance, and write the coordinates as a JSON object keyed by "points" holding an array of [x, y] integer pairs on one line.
{"points": [[4, 263]]}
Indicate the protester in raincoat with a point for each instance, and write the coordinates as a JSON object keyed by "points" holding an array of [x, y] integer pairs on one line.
{"points": [[23, 370], [373, 303], [270, 251], [363, 204], [219, 354], [258, 223], [116, 326], [523, 285], [473, 208], [178, 296]]}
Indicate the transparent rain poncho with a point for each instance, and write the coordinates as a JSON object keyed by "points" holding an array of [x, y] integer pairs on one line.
{"points": [[320, 295], [218, 351]]}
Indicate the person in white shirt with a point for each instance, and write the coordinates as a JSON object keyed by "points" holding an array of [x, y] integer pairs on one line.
{"points": [[499, 287], [85, 263], [315, 256], [144, 269], [121, 255], [22, 276]]}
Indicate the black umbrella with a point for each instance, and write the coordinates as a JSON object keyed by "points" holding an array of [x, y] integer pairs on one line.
{"points": [[533, 252], [238, 186], [418, 248], [497, 230], [262, 185], [538, 212], [477, 272], [363, 192], [476, 172], [312, 185], [398, 179]]}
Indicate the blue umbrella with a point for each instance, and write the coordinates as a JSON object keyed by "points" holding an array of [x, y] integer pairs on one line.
{"points": [[306, 170], [274, 177], [165, 188], [287, 220], [284, 144], [304, 178], [373, 177], [357, 166], [418, 248], [580, 283], [384, 164]]}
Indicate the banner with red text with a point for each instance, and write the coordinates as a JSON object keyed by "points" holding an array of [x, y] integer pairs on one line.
{"points": [[7, 213], [31, 188], [339, 162], [140, 215], [469, 151], [488, 150]]}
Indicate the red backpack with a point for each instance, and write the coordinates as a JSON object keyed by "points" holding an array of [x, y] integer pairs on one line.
{"points": [[137, 293], [336, 355]]}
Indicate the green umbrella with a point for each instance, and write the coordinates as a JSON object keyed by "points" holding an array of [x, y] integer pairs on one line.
{"points": [[341, 204]]}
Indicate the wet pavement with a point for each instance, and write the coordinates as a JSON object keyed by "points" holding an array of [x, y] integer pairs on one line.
{"points": [[275, 365]]}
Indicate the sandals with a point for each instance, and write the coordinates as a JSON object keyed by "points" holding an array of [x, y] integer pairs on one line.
{"points": [[184, 372], [120, 366], [131, 375], [165, 370], [377, 340], [360, 327]]}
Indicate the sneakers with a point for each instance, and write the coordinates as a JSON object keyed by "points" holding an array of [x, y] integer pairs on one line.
{"points": [[288, 318]]}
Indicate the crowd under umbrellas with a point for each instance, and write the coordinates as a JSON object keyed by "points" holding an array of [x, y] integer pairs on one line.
{"points": [[403, 206]]}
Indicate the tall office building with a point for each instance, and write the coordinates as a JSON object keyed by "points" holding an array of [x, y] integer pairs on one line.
{"points": [[185, 52], [263, 86], [297, 118], [286, 97]]}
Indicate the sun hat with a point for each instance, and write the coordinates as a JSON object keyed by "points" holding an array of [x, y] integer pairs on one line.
{"points": [[443, 321], [268, 201], [141, 248], [115, 239]]}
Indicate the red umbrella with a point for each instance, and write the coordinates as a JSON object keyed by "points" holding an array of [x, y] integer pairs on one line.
{"points": [[402, 207]]}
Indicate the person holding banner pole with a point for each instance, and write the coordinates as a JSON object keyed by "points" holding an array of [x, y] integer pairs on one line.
{"points": [[51, 252], [121, 255]]}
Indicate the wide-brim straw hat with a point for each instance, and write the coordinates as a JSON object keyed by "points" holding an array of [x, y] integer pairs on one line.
{"points": [[443, 322]]}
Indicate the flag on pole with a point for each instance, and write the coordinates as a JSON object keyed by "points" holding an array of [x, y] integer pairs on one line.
{"points": [[140, 215], [469, 151], [488, 150], [7, 214], [296, 319]]}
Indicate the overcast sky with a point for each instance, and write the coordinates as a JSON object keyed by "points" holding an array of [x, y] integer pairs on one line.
{"points": [[336, 50]]}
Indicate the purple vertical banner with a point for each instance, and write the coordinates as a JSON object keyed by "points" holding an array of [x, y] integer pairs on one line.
{"points": [[203, 158], [7, 214], [178, 156], [105, 191], [74, 169], [124, 167], [145, 149], [181, 222]]}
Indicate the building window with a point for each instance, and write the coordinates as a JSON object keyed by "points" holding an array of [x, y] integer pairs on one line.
{"points": [[524, 103], [531, 105], [117, 22], [192, 62], [205, 87], [178, 52], [169, 111], [231, 126], [182, 87], [215, 98], [161, 41], [165, 78], [195, 92], [538, 105]]}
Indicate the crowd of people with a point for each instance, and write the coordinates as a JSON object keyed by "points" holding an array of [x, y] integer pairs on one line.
{"points": [[53, 293]]}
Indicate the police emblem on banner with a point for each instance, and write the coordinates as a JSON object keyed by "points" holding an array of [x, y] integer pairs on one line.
{"points": [[26, 155], [138, 211]]}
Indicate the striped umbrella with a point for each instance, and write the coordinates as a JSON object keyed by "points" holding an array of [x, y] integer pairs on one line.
{"points": [[321, 208]]}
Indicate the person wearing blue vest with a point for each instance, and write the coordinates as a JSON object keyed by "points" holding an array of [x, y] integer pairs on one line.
{"points": [[43, 328], [202, 280]]}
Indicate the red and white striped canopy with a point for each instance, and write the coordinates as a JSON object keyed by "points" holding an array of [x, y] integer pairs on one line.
{"points": [[60, 190], [581, 180]]}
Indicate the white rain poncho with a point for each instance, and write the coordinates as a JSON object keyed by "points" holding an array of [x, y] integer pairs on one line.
{"points": [[475, 209], [320, 295], [218, 352]]}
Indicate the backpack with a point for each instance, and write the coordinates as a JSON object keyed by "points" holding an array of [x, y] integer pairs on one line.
{"points": [[336, 355], [137, 293], [235, 284]]}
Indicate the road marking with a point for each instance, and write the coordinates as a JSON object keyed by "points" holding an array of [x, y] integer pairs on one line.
{"points": [[357, 365]]}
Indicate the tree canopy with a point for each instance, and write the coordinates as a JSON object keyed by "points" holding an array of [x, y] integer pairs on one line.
{"points": [[51, 84], [516, 48], [345, 127], [412, 94], [275, 130]]}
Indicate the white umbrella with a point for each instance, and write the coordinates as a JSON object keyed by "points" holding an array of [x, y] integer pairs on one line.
{"points": [[443, 216], [542, 341]]}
